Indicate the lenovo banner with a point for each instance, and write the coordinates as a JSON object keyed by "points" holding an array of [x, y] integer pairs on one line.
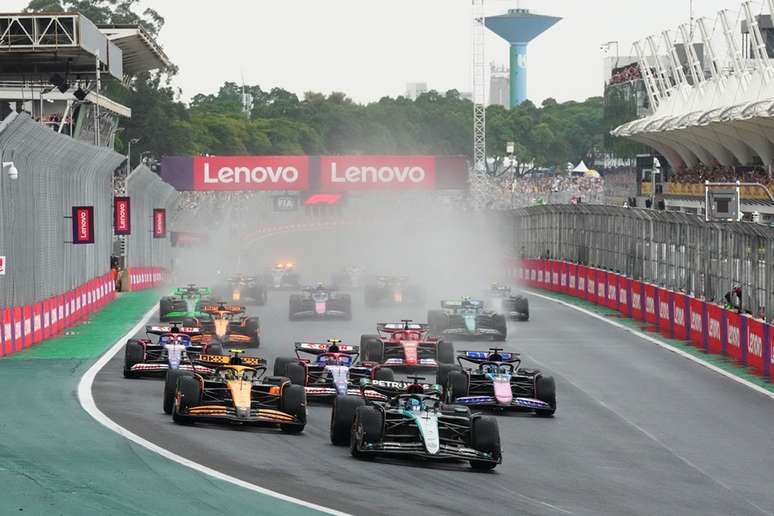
{"points": [[122, 222], [339, 173], [83, 224], [756, 337], [159, 223], [250, 173]]}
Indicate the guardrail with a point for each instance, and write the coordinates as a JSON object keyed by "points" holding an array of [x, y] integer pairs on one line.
{"points": [[746, 340], [697, 190]]}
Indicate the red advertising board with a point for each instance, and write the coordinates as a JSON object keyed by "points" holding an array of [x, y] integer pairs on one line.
{"points": [[7, 332], [231, 173], [556, 273], [624, 305], [591, 284], [572, 279], [83, 224], [47, 318], [340, 173], [734, 335], [188, 239], [27, 314], [122, 220], [756, 337], [696, 321], [601, 287], [581, 284], [563, 268], [714, 321], [664, 312], [159, 223], [649, 300], [680, 315], [612, 290], [18, 339], [37, 323], [637, 300]]}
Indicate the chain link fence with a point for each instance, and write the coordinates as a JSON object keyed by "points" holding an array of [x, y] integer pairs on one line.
{"points": [[56, 173], [148, 192], [678, 251]]}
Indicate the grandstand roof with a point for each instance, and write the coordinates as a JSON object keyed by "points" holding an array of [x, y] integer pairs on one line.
{"points": [[140, 52]]}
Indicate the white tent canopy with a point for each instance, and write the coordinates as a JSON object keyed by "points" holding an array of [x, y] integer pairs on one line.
{"points": [[581, 168]]}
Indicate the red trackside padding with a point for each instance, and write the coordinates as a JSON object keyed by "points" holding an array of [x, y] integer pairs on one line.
{"points": [[755, 341], [601, 287], [18, 336], [624, 305], [696, 322], [572, 279], [612, 290], [556, 280], [60, 314], [637, 298], [581, 284], [734, 335], [563, 268], [680, 315], [47, 318], [6, 333], [27, 314], [714, 318], [649, 300], [37, 323], [591, 284], [665, 318]]}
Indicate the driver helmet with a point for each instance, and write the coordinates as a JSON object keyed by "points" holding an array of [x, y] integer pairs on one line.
{"points": [[413, 404]]}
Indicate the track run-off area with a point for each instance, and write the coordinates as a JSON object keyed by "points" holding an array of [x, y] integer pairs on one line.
{"points": [[638, 430]]}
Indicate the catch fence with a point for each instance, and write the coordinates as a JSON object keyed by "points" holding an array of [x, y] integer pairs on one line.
{"points": [[672, 250]]}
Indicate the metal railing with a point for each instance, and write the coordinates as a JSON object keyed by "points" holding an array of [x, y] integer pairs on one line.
{"points": [[674, 250], [56, 173]]}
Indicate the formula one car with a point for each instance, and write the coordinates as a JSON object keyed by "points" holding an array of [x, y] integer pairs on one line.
{"points": [[184, 303], [320, 303], [467, 319], [502, 301], [332, 370], [392, 290], [283, 276], [229, 324], [350, 278], [241, 288], [405, 345], [173, 349], [236, 392], [497, 381], [414, 422]]}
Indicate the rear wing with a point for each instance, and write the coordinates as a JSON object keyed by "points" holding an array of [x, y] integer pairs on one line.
{"points": [[318, 348], [457, 304], [480, 357], [216, 309], [231, 360], [401, 326], [393, 388], [164, 329]]}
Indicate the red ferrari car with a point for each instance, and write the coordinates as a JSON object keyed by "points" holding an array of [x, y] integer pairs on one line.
{"points": [[405, 345]]}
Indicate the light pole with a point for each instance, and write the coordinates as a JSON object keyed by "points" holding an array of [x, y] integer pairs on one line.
{"points": [[129, 155]]}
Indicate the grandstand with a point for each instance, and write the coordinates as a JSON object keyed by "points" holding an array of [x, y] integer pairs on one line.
{"points": [[710, 113]]}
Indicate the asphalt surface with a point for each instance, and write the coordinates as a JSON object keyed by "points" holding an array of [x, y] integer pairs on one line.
{"points": [[638, 430]]}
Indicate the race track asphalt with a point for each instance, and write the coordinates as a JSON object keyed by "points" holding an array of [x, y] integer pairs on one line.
{"points": [[639, 430]]}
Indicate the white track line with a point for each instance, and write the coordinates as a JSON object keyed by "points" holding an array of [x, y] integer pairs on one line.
{"points": [[87, 402], [662, 344]]}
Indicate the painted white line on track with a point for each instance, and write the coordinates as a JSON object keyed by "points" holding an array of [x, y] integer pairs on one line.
{"points": [[87, 402], [661, 344]]}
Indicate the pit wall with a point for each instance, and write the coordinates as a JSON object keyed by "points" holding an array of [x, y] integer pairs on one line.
{"points": [[745, 340], [26, 325], [141, 278]]}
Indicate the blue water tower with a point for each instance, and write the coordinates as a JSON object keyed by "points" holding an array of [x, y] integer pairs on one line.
{"points": [[519, 27]]}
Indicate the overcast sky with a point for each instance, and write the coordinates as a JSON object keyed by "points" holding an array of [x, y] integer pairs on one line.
{"points": [[372, 48]]}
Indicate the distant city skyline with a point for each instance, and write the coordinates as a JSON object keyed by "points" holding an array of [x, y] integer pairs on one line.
{"points": [[370, 49]]}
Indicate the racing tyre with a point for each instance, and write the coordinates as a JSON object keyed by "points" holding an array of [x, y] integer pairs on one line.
{"points": [[445, 352], [384, 374], [297, 373], [215, 348], [456, 386], [545, 390], [190, 393], [437, 321], [253, 329], [346, 306], [372, 348], [294, 302], [277, 380], [499, 324], [442, 375], [281, 365], [369, 423], [342, 416], [485, 437], [170, 385], [133, 355], [294, 402]]}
